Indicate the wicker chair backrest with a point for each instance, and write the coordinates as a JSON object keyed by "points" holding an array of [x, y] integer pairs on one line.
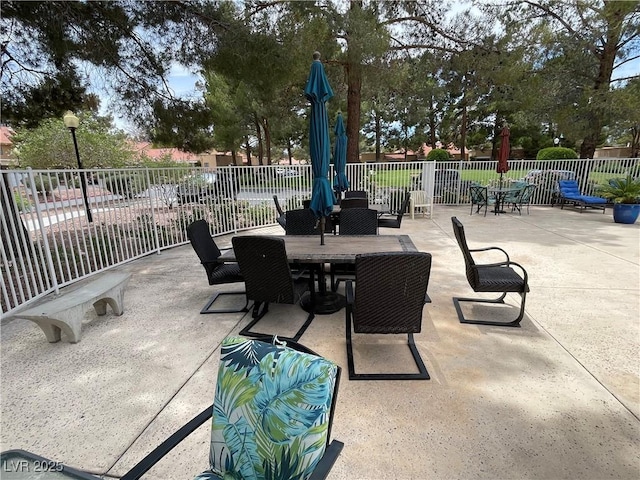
{"points": [[390, 291], [264, 266], [278, 207], [301, 222], [354, 202], [358, 221], [205, 247], [403, 207], [355, 194], [458, 231]]}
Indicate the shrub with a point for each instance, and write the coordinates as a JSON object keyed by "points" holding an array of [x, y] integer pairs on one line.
{"points": [[556, 153], [438, 154], [621, 190], [126, 184], [42, 183], [22, 204]]}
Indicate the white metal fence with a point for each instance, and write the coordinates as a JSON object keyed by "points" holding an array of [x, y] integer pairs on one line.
{"points": [[48, 241]]}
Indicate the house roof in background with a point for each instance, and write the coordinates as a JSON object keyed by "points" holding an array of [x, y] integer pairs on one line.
{"points": [[175, 154], [5, 135]]}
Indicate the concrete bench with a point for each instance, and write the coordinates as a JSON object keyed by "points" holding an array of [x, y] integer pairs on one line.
{"points": [[65, 311]]}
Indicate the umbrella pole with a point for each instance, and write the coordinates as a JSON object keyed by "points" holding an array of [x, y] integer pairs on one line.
{"points": [[322, 224]]}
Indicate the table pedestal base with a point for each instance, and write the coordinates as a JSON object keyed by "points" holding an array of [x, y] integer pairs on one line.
{"points": [[322, 303]]}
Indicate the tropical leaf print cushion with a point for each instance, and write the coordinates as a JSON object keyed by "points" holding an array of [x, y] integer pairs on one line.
{"points": [[271, 411]]}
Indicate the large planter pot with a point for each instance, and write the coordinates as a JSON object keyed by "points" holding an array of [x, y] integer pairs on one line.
{"points": [[626, 212]]}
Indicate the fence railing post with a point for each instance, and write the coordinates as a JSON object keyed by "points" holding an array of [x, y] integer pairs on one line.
{"points": [[45, 240], [156, 238]]}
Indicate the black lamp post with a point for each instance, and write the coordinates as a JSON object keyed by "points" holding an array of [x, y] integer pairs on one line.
{"points": [[72, 122]]}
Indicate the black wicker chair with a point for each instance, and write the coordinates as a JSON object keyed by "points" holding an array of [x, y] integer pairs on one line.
{"points": [[301, 222], [390, 293], [268, 278], [354, 221], [492, 277], [395, 222], [355, 194], [358, 221], [217, 272], [281, 217]]}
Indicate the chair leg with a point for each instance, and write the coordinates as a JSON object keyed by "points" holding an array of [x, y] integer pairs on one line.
{"points": [[422, 369], [513, 323], [328, 459], [257, 316], [207, 307]]}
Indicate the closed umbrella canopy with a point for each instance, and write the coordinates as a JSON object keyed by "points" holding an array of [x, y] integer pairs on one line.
{"points": [[503, 155], [318, 92], [340, 182]]}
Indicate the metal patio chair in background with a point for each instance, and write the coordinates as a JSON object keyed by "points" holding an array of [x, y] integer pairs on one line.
{"points": [[522, 197], [480, 198]]}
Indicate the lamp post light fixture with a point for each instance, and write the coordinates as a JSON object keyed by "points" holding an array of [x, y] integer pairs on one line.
{"points": [[72, 122]]}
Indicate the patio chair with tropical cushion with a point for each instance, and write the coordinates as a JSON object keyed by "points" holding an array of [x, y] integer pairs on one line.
{"points": [[271, 417], [389, 297], [490, 277], [569, 193], [217, 272], [268, 278]]}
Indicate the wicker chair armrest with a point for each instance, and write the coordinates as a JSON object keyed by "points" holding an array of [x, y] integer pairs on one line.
{"points": [[488, 249], [525, 276]]}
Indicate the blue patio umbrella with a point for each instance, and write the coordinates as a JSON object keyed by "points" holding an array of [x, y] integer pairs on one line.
{"points": [[340, 182], [318, 92]]}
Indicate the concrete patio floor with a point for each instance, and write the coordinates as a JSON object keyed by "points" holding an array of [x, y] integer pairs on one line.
{"points": [[558, 398]]}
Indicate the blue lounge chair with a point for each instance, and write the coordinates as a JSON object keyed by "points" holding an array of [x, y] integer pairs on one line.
{"points": [[569, 192]]}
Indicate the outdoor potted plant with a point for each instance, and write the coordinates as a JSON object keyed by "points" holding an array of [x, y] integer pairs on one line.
{"points": [[625, 195]]}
